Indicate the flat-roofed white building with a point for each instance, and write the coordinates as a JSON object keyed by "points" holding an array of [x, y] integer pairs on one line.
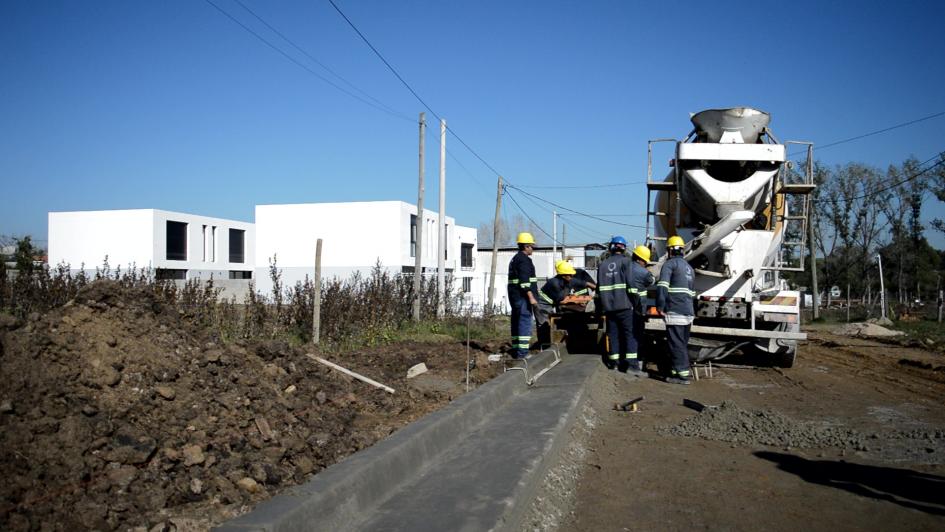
{"points": [[174, 245], [356, 236]]}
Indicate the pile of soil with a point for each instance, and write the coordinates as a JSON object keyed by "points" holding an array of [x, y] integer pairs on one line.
{"points": [[118, 411], [866, 330], [731, 423]]}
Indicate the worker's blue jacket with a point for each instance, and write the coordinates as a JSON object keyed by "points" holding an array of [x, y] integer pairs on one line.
{"points": [[675, 288], [554, 290], [522, 277], [640, 280], [613, 283], [579, 282]]}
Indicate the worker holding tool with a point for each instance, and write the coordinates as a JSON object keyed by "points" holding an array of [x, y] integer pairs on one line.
{"points": [[674, 301], [523, 287], [613, 282], [640, 281], [550, 296]]}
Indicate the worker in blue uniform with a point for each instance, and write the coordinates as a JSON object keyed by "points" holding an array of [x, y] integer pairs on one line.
{"points": [[549, 298], [523, 289], [640, 281], [613, 284], [674, 301]]}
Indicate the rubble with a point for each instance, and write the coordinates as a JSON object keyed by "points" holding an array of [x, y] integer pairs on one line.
{"points": [[866, 330]]}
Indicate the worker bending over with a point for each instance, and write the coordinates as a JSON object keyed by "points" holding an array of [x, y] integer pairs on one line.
{"points": [[613, 282], [640, 281], [674, 302], [550, 296], [523, 285]]}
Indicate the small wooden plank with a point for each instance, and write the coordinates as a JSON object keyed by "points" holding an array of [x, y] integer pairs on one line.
{"points": [[347, 371]]}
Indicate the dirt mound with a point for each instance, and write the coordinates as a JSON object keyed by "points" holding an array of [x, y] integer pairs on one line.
{"points": [[866, 330], [731, 423], [119, 411]]}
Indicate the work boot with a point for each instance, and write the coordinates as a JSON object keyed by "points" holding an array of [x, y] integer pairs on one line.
{"points": [[610, 364], [635, 370], [678, 380]]}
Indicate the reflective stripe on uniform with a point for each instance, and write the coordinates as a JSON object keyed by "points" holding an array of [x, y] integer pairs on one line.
{"points": [[608, 287], [683, 373], [581, 292], [631, 356], [614, 356], [664, 284], [546, 298], [682, 291]]}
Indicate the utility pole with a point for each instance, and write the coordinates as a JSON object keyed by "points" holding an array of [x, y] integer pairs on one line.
{"points": [[495, 244], [418, 229], [882, 287], [554, 239], [813, 255], [317, 297], [564, 240], [441, 254]]}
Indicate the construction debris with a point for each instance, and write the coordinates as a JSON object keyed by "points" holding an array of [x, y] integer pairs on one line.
{"points": [[866, 330]]}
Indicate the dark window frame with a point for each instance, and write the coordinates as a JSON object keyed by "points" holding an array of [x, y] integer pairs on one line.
{"points": [[466, 255], [174, 232], [237, 256], [413, 235]]}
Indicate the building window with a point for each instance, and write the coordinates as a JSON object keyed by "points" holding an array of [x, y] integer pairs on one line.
{"points": [[168, 274], [413, 235], [176, 234], [237, 246], [241, 274], [466, 256], [467, 284], [446, 250]]}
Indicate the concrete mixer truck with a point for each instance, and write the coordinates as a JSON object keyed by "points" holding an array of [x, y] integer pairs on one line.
{"points": [[741, 207]]}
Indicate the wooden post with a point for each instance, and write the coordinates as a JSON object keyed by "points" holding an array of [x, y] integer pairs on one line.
{"points": [[418, 250], [848, 302], [317, 297], [441, 253], [495, 245]]}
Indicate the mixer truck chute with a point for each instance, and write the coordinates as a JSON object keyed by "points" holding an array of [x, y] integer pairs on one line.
{"points": [[728, 195]]}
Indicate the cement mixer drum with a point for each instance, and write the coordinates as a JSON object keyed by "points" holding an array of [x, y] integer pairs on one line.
{"points": [[740, 125]]}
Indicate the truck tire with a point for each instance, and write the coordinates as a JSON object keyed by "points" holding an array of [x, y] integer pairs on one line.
{"points": [[786, 359]]}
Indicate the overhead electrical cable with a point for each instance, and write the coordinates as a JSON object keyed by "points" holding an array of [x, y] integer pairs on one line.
{"points": [[316, 61], [409, 88], [871, 133], [533, 222], [611, 185], [940, 155], [576, 212], [304, 66]]}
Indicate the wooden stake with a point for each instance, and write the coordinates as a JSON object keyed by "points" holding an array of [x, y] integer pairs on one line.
{"points": [[346, 371]]}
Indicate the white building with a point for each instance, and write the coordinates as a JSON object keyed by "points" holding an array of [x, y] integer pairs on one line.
{"points": [[356, 236], [174, 245]]}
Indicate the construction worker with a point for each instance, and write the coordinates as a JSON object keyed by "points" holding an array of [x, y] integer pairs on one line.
{"points": [[523, 287], [613, 283], [550, 296], [674, 301], [582, 283], [640, 281]]}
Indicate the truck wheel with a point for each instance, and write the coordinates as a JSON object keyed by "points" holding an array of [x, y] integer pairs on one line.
{"points": [[786, 359]]}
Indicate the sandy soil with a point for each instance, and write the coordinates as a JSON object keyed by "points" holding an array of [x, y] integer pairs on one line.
{"points": [[851, 438]]}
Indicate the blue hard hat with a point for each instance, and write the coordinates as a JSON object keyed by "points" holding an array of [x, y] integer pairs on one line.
{"points": [[618, 240]]}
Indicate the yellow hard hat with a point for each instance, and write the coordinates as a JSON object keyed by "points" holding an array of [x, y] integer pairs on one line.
{"points": [[525, 238], [675, 242], [643, 252], [563, 267]]}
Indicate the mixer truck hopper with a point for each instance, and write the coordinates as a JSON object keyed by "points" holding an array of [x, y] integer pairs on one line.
{"points": [[734, 197]]}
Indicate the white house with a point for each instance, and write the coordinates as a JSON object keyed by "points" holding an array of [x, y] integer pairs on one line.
{"points": [[356, 236], [173, 244]]}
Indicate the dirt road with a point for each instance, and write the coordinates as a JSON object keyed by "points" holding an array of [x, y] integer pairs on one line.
{"points": [[851, 438]]}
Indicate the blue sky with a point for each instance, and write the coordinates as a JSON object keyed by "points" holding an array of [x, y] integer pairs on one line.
{"points": [[172, 105]]}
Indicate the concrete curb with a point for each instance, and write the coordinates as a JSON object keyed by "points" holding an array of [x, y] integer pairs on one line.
{"points": [[343, 493]]}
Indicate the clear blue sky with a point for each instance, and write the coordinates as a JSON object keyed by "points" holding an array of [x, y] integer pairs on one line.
{"points": [[171, 105]]}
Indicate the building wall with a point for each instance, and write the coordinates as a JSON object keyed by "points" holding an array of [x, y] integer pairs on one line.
{"points": [[544, 268], [83, 239], [138, 237]]}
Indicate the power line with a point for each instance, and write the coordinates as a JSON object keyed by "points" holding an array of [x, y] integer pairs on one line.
{"points": [[611, 185], [941, 161], [871, 133], [533, 222], [577, 212], [409, 88], [304, 66], [319, 63]]}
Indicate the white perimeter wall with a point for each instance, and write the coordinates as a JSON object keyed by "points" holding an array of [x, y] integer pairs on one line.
{"points": [[544, 268]]}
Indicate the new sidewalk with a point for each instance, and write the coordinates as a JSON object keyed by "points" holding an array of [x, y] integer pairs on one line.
{"points": [[474, 465]]}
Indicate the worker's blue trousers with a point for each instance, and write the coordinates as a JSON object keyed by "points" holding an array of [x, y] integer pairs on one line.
{"points": [[677, 336], [521, 326], [623, 346]]}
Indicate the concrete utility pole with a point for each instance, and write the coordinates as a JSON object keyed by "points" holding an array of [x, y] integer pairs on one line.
{"points": [[495, 244], [441, 255], [418, 250], [317, 298], [813, 256], [882, 287], [554, 239]]}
